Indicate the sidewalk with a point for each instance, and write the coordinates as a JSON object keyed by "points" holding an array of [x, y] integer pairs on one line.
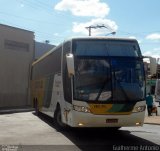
{"points": [[152, 120]]}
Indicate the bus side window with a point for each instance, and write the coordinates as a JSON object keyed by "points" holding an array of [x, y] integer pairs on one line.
{"points": [[66, 78]]}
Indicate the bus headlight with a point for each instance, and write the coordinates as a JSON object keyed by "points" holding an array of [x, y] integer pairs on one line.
{"points": [[81, 109], [139, 109]]}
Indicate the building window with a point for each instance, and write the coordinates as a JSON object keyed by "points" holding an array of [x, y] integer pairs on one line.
{"points": [[14, 45]]}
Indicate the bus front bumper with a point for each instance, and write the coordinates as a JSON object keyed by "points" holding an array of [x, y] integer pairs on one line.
{"points": [[80, 119]]}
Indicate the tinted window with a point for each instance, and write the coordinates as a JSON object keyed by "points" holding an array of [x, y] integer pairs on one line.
{"points": [[106, 48]]}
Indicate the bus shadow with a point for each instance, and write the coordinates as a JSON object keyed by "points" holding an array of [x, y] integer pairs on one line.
{"points": [[101, 138]]}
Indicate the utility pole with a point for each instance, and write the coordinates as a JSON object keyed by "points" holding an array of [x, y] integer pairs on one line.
{"points": [[99, 26], [89, 29]]}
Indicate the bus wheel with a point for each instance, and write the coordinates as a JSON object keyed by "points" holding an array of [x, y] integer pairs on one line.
{"points": [[36, 107], [58, 119]]}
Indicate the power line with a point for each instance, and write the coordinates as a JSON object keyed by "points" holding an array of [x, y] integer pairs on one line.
{"points": [[43, 6], [100, 26], [30, 19]]}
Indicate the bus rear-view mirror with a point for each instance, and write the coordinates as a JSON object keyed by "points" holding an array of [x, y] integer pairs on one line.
{"points": [[70, 63]]}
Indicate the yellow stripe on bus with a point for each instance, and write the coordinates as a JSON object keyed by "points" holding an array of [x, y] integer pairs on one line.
{"points": [[105, 109]]}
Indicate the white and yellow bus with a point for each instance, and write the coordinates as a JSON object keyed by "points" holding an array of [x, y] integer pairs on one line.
{"points": [[91, 82]]}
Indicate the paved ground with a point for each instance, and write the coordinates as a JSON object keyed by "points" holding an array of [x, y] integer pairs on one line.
{"points": [[29, 132], [153, 119]]}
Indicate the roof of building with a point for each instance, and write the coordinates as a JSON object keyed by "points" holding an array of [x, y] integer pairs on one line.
{"points": [[16, 28]]}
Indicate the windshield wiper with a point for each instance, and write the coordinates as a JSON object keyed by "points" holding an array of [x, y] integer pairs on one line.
{"points": [[102, 88], [124, 92], [120, 86]]}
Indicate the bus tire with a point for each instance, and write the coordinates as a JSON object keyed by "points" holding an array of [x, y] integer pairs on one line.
{"points": [[58, 119], [36, 107]]}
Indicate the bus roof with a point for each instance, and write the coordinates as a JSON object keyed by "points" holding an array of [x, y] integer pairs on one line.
{"points": [[83, 38], [103, 37], [45, 55]]}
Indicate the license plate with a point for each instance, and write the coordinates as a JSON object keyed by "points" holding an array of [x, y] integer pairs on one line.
{"points": [[111, 120]]}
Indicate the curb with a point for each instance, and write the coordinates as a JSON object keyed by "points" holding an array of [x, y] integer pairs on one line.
{"points": [[152, 123], [11, 111]]}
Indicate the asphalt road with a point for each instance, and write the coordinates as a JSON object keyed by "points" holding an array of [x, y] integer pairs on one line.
{"points": [[25, 131]]}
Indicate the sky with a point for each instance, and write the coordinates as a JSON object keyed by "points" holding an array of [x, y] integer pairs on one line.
{"points": [[57, 20]]}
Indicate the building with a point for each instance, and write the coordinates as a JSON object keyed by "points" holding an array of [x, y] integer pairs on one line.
{"points": [[151, 77], [42, 48], [152, 69], [16, 56]]}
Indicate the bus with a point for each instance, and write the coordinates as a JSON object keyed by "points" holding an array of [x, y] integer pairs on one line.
{"points": [[91, 82]]}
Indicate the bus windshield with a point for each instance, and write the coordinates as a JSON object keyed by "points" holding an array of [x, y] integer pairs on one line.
{"points": [[108, 78], [127, 79]]}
